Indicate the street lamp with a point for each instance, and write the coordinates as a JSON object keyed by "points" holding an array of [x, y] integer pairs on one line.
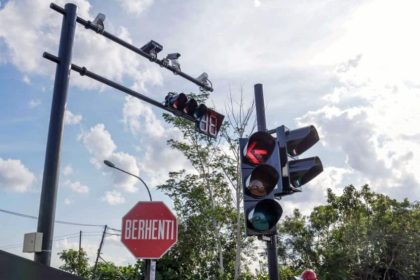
{"points": [[112, 165]]}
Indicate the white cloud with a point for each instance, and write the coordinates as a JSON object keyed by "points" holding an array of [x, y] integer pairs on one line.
{"points": [[77, 187], [14, 176], [25, 42], [135, 7], [68, 201], [100, 145], [67, 170], [34, 103], [70, 118], [26, 79], [140, 119], [113, 198], [372, 121]]}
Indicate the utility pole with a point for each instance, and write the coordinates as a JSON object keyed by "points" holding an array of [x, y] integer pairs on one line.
{"points": [[272, 240], [48, 199], [80, 250], [99, 250]]}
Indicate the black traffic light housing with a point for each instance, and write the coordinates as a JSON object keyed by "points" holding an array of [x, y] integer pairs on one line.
{"points": [[206, 120], [260, 165], [296, 172]]}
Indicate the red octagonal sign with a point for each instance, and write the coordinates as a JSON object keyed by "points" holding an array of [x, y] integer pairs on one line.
{"points": [[149, 230]]}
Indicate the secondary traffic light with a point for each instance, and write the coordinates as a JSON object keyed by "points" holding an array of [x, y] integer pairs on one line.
{"points": [[260, 163], [207, 120], [296, 172]]}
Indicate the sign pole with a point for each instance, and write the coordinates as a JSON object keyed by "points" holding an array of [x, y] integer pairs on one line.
{"points": [[150, 269], [272, 242]]}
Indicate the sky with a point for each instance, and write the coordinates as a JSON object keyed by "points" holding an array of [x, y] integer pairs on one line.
{"points": [[350, 68]]}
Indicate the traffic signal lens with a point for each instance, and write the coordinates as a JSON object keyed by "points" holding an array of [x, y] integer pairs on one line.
{"points": [[259, 148], [200, 111], [259, 221], [190, 107], [262, 180], [265, 215], [177, 101]]}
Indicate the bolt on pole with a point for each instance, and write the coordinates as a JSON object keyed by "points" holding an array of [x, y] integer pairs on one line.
{"points": [[52, 156], [261, 124]]}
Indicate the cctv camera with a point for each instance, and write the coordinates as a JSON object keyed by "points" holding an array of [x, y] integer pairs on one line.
{"points": [[173, 56], [152, 48], [203, 77], [98, 22]]}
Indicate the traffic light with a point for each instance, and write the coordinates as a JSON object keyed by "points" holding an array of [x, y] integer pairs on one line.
{"points": [[260, 165], [207, 120], [296, 172]]}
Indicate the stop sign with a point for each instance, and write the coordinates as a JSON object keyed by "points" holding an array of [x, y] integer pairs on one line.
{"points": [[149, 230]]}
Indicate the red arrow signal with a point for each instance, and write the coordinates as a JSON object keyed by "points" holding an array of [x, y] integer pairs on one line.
{"points": [[255, 156]]}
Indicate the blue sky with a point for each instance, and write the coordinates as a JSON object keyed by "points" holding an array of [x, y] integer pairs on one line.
{"points": [[348, 67]]}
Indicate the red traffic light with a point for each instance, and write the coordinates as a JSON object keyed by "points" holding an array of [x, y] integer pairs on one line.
{"points": [[176, 101], [259, 148]]}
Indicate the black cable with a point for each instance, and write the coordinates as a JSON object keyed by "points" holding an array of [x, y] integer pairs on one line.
{"points": [[56, 221]]}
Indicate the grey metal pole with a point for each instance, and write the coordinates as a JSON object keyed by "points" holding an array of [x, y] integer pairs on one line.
{"points": [[99, 252], [150, 269], [262, 126], [52, 156], [79, 257]]}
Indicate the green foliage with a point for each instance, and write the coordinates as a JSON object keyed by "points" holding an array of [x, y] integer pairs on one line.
{"points": [[75, 263], [203, 201], [358, 235], [109, 271], [79, 265]]}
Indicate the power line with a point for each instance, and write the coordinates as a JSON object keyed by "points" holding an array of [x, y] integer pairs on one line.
{"points": [[57, 238], [56, 221]]}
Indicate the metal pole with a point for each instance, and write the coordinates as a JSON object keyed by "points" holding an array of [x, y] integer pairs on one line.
{"points": [[150, 269], [52, 156], [110, 164], [99, 251], [79, 257], [261, 124], [89, 25]]}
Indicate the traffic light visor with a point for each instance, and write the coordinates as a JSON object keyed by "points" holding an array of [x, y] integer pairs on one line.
{"points": [[259, 148], [303, 170], [265, 215], [299, 140]]}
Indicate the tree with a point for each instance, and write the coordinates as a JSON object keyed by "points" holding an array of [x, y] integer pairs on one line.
{"points": [[78, 264], [358, 235], [210, 224], [75, 262]]}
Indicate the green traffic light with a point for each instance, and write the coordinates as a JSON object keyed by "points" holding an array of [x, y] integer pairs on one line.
{"points": [[260, 222], [265, 215]]}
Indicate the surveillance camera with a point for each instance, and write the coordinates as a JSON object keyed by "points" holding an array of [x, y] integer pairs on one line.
{"points": [[165, 62], [98, 22], [152, 48], [176, 66], [203, 77], [173, 56]]}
